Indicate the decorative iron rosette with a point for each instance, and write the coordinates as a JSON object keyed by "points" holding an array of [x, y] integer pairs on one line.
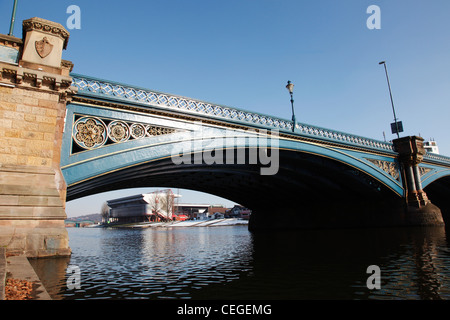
{"points": [[118, 131], [89, 132], [137, 131]]}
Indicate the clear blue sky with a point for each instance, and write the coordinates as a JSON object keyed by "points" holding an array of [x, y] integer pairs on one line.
{"points": [[242, 52]]}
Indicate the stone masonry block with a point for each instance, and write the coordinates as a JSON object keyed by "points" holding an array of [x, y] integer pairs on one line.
{"points": [[8, 158], [7, 114], [5, 123], [38, 111], [8, 106], [25, 125], [16, 212], [38, 201], [9, 200], [14, 142], [47, 104], [21, 160], [27, 179], [54, 113], [37, 161], [46, 128], [30, 101], [29, 117], [32, 135], [41, 95], [46, 119], [13, 133], [27, 190], [49, 137], [23, 108], [31, 212]]}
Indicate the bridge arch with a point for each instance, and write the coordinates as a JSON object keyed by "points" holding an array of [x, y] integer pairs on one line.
{"points": [[314, 184], [306, 152], [438, 191], [89, 165]]}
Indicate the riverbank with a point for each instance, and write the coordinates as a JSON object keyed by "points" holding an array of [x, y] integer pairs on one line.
{"points": [[187, 223], [23, 284]]}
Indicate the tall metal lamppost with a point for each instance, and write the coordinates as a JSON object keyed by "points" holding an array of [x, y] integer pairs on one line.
{"points": [[397, 126], [13, 18], [290, 87]]}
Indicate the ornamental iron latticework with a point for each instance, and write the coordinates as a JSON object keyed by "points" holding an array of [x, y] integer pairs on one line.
{"points": [[423, 171], [390, 168], [92, 132]]}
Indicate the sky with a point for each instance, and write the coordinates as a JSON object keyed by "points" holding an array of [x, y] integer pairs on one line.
{"points": [[241, 53]]}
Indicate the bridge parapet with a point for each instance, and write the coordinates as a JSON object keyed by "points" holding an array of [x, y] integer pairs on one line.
{"points": [[430, 157], [109, 90]]}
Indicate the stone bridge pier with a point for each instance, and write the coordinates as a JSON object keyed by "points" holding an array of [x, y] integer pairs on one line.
{"points": [[34, 88], [419, 209]]}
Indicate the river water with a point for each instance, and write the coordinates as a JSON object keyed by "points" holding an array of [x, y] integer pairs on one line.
{"points": [[230, 262]]}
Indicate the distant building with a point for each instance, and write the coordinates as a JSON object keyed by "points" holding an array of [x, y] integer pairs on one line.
{"points": [[217, 212], [155, 206], [160, 206], [217, 215], [192, 211], [201, 211], [239, 212], [216, 209], [431, 147]]}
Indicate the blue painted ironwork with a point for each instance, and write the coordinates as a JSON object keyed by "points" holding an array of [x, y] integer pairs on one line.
{"points": [[190, 137], [109, 90], [94, 132], [124, 138], [116, 92]]}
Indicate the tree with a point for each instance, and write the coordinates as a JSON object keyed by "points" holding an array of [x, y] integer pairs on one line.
{"points": [[105, 212]]}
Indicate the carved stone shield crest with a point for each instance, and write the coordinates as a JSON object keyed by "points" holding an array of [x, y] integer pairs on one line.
{"points": [[43, 47]]}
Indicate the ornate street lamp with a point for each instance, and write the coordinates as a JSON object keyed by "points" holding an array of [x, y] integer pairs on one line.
{"points": [[290, 87]]}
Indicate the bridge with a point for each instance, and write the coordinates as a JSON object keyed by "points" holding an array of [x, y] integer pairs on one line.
{"points": [[321, 177], [91, 135]]}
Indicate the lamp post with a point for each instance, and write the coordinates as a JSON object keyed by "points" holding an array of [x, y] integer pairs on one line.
{"points": [[397, 129], [290, 87], [13, 18]]}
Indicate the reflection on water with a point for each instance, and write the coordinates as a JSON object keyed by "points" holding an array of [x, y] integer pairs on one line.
{"points": [[232, 263]]}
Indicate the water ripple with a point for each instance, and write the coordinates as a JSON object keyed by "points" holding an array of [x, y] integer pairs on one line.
{"points": [[230, 262]]}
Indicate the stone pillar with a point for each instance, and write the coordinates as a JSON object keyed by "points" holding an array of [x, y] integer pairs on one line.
{"points": [[420, 210], [34, 88]]}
